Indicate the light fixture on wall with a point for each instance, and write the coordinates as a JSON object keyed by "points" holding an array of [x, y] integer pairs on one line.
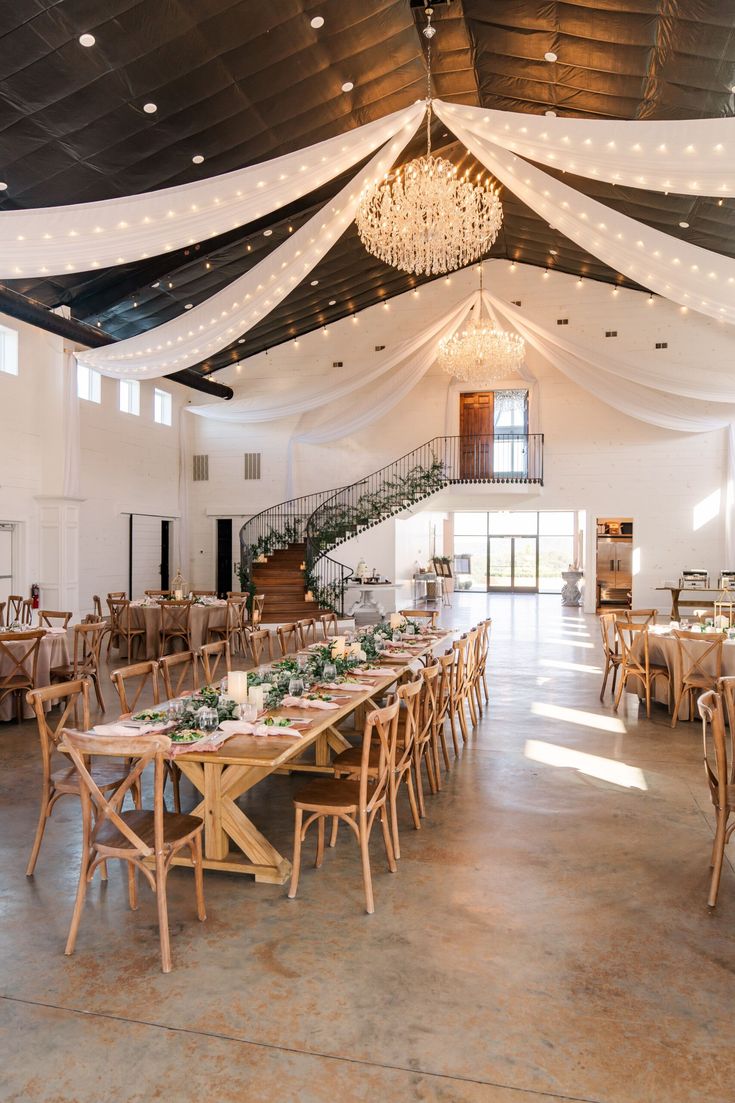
{"points": [[482, 353], [425, 218]]}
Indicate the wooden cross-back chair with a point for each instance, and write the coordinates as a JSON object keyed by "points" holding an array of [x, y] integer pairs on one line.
{"points": [[2, 614], [86, 647], [349, 763], [109, 832], [484, 629], [637, 616], [59, 777], [635, 661], [611, 654], [444, 704], [204, 593], [719, 768], [258, 607], [358, 803], [233, 630], [695, 673], [427, 736], [53, 618], [216, 660], [131, 681], [122, 627], [117, 595], [175, 624], [15, 608], [97, 606], [157, 593], [472, 659], [428, 615], [288, 637], [19, 665], [180, 673], [26, 612], [330, 625], [258, 640], [460, 689], [306, 629]]}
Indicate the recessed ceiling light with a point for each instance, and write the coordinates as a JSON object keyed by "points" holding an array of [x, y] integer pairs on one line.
{"points": [[347, 86], [550, 56], [550, 114], [197, 159], [150, 108], [553, 252], [317, 22], [267, 233], [156, 284], [3, 186], [314, 283], [684, 225], [241, 340], [332, 302], [86, 40], [188, 306]]}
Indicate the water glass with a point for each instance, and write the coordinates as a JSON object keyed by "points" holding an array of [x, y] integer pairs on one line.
{"points": [[207, 720], [296, 686], [175, 710], [410, 629], [223, 686], [248, 712], [329, 673], [396, 635], [301, 661]]}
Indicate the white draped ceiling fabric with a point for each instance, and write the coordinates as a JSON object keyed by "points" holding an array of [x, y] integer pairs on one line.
{"points": [[686, 274], [85, 236], [215, 323], [687, 157]]}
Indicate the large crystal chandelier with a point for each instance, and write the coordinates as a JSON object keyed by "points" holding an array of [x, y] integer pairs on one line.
{"points": [[427, 219], [481, 354]]}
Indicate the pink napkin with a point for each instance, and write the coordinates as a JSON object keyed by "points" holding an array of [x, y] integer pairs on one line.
{"points": [[244, 727], [354, 687], [129, 730], [375, 671], [304, 703]]}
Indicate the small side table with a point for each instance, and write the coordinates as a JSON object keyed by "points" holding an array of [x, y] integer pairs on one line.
{"points": [[570, 591], [368, 608]]}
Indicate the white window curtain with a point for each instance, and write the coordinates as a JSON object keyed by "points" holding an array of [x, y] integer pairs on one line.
{"points": [[685, 156], [71, 427], [85, 236], [693, 277], [215, 323]]}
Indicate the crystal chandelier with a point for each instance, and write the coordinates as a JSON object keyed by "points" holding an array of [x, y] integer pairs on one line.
{"points": [[481, 354], [426, 219]]}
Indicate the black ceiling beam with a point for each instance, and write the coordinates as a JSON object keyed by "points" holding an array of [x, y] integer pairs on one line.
{"points": [[35, 314]]}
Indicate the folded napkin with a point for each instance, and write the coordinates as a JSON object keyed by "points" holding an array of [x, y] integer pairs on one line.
{"points": [[378, 671], [206, 743], [355, 687], [400, 654], [244, 727], [128, 730], [305, 703]]}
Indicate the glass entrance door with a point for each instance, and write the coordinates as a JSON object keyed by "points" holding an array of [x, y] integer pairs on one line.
{"points": [[513, 563]]}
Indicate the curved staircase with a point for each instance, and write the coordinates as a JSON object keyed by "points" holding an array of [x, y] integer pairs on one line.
{"points": [[284, 550]]}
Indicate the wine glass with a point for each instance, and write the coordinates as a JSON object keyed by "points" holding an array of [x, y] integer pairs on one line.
{"points": [[295, 686], [329, 673], [302, 661], [223, 686]]}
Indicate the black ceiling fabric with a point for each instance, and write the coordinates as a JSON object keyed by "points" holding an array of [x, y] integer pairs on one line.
{"points": [[241, 81]]}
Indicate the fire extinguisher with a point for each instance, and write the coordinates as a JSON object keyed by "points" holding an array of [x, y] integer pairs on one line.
{"points": [[35, 595]]}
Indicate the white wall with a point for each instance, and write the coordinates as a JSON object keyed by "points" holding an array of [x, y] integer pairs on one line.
{"points": [[127, 464], [596, 459]]}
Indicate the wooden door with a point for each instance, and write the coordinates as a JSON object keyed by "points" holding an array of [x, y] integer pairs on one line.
{"points": [[476, 435]]}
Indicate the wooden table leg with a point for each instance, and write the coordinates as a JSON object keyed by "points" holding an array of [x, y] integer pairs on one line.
{"points": [[216, 844]]}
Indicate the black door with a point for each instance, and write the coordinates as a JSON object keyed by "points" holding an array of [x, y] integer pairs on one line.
{"points": [[224, 556], [165, 553]]}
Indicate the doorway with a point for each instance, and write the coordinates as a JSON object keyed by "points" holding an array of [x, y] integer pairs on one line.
{"points": [[476, 435], [224, 555], [513, 563], [6, 561], [165, 554], [519, 551]]}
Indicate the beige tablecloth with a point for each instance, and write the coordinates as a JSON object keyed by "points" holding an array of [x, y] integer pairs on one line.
{"points": [[663, 651], [202, 618], [53, 651]]}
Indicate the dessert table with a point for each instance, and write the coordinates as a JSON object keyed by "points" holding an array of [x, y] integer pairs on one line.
{"points": [[232, 842], [53, 651], [144, 614]]}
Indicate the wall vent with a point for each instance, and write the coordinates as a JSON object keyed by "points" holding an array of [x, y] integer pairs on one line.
{"points": [[611, 333], [201, 469], [337, 364], [562, 321], [516, 302], [252, 465], [662, 344], [379, 348]]}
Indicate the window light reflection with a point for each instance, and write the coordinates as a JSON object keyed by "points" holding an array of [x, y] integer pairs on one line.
{"points": [[573, 641], [559, 664], [578, 716], [606, 769]]}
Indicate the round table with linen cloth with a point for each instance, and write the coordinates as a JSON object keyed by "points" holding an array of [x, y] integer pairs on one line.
{"points": [[211, 613], [663, 651], [53, 651]]}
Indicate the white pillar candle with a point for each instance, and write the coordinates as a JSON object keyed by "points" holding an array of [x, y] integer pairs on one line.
{"points": [[396, 620], [237, 686], [338, 646], [256, 696], [178, 595]]}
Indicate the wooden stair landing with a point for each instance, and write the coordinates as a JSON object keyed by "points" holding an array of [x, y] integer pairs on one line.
{"points": [[281, 579]]}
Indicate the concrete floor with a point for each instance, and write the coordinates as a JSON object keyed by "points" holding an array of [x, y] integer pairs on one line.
{"points": [[546, 936]]}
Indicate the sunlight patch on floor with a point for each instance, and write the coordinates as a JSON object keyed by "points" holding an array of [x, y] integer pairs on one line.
{"points": [[573, 642], [606, 769], [578, 716], [580, 668]]}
